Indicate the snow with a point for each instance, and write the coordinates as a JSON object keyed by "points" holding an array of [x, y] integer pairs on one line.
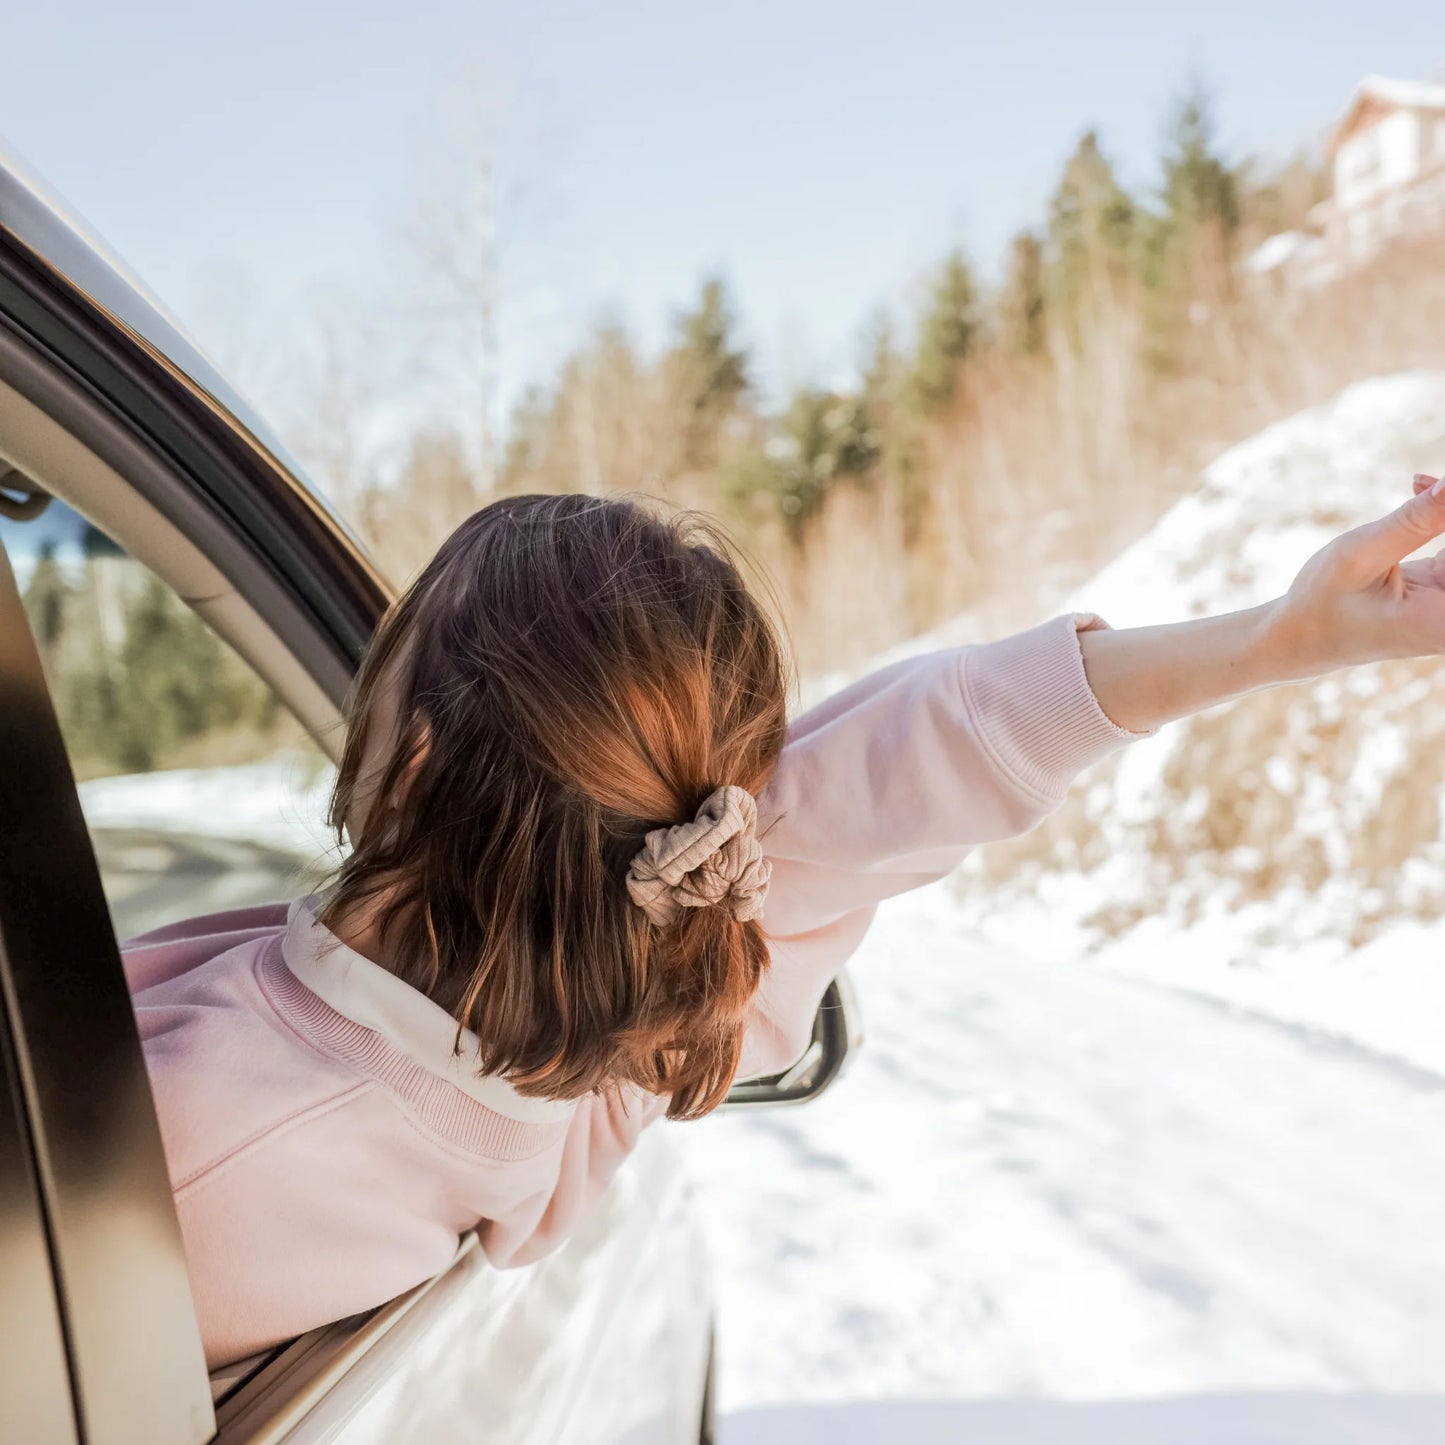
{"points": [[1038, 1181], [1408, 94], [1259, 512], [1279, 250], [279, 803], [1237, 1419]]}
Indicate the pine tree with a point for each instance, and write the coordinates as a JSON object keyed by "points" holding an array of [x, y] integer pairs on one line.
{"points": [[882, 364], [1092, 225], [1199, 188], [171, 682], [709, 370], [1021, 301], [949, 329], [46, 597], [821, 439], [1191, 242]]}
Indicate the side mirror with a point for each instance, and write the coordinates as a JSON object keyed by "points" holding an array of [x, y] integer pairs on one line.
{"points": [[837, 1028]]}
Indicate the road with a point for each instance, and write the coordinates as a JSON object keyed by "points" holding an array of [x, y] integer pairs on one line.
{"points": [[157, 876], [1049, 1181]]}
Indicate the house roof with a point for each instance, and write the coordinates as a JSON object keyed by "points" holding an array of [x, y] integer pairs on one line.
{"points": [[1381, 92]]}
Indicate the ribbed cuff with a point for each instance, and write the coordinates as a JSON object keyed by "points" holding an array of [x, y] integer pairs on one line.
{"points": [[1031, 704]]}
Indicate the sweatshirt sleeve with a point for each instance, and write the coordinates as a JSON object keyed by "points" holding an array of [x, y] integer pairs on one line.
{"points": [[888, 785], [602, 1133]]}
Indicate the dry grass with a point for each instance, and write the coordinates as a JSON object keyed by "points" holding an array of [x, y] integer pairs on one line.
{"points": [[1042, 468], [1286, 791]]}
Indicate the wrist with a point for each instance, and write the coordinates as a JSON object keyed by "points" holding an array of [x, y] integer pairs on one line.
{"points": [[1286, 646]]}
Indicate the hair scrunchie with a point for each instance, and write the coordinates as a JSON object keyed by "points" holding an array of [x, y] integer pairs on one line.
{"points": [[713, 861]]}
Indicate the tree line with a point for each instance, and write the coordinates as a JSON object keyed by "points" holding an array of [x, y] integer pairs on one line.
{"points": [[1054, 412]]}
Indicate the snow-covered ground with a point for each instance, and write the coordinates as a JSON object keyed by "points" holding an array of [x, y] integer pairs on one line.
{"points": [[279, 803], [1225, 1419], [1045, 1182]]}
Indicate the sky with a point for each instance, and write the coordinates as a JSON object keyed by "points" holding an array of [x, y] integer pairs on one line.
{"points": [[266, 164]]}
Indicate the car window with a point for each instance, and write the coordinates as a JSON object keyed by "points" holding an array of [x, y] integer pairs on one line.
{"points": [[201, 790]]}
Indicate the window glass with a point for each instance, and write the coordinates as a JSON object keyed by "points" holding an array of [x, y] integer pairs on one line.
{"points": [[201, 790]]}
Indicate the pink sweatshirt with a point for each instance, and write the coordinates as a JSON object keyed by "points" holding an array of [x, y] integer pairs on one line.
{"points": [[325, 1146]]}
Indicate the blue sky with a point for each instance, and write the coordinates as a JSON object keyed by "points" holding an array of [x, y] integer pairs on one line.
{"points": [[255, 161]]}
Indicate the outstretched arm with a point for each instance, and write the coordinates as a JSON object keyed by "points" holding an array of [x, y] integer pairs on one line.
{"points": [[1356, 600], [889, 784]]}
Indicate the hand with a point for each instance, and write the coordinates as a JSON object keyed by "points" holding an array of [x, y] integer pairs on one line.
{"points": [[1358, 600]]}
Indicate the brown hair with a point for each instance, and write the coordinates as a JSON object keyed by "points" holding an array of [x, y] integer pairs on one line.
{"points": [[568, 673]]}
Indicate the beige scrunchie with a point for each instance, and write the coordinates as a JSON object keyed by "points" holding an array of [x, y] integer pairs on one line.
{"points": [[715, 860]]}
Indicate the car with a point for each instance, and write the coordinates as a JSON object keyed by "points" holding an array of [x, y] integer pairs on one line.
{"points": [[140, 495]]}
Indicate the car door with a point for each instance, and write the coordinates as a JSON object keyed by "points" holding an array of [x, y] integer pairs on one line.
{"points": [[88, 1143]]}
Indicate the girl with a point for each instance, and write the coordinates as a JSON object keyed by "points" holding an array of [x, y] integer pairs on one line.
{"points": [[595, 877]]}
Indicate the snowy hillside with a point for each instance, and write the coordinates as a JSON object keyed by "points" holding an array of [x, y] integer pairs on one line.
{"points": [[1285, 852]]}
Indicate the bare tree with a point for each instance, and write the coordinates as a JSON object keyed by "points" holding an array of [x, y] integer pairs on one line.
{"points": [[473, 227]]}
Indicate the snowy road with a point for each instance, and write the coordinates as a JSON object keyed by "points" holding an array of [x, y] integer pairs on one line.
{"points": [[1049, 1181]]}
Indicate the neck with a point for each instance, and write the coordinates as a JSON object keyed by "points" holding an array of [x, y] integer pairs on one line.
{"points": [[358, 927]]}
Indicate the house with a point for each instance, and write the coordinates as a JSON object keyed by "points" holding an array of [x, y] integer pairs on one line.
{"points": [[1389, 165], [1387, 155]]}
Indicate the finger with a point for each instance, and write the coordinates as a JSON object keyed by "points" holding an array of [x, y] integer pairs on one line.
{"points": [[1423, 483], [1380, 545], [1425, 571]]}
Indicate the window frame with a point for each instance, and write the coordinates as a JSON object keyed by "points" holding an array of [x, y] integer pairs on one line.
{"points": [[94, 1145], [206, 462], [35, 1387]]}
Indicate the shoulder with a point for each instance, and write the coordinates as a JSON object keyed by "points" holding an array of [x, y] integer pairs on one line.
{"points": [[224, 1067], [165, 953]]}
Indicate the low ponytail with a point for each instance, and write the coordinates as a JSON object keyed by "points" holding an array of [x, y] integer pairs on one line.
{"points": [[587, 704]]}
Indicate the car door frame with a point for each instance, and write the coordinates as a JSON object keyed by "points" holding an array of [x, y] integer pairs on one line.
{"points": [[35, 1382], [77, 1072]]}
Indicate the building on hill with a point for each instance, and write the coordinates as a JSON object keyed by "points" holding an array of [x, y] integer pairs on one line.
{"points": [[1387, 155], [1389, 164]]}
